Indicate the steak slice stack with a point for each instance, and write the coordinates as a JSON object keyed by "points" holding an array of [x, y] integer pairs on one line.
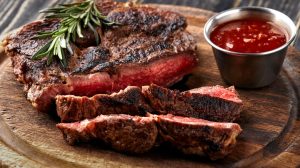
{"points": [[74, 108], [136, 134], [188, 134], [124, 133], [214, 103], [147, 46]]}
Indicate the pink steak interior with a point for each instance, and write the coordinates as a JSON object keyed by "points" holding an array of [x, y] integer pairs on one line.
{"points": [[164, 72]]}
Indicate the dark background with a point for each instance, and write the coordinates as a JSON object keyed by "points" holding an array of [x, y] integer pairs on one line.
{"points": [[15, 13]]}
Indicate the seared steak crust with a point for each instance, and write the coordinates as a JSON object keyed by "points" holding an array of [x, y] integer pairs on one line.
{"points": [[144, 36], [197, 136], [125, 52], [147, 20], [123, 132], [129, 101], [211, 103]]}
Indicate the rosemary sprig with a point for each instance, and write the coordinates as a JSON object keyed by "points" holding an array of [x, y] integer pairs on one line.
{"points": [[73, 17]]}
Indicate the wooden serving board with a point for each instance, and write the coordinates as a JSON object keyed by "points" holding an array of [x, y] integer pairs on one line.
{"points": [[270, 121]]}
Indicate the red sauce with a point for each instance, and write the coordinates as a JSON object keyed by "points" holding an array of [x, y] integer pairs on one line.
{"points": [[248, 36]]}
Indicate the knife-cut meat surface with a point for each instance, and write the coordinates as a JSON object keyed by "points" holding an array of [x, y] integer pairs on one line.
{"points": [[124, 133], [74, 108], [214, 103], [198, 136], [148, 45]]}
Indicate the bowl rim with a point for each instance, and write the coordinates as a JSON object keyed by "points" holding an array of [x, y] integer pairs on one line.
{"points": [[208, 25]]}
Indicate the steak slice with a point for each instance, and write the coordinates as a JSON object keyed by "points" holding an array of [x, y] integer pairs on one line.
{"points": [[135, 134], [147, 46], [124, 133], [74, 108], [198, 136], [214, 103]]}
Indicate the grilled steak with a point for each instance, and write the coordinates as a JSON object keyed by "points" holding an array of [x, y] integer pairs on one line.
{"points": [[147, 46], [214, 103], [74, 108], [123, 132], [198, 136]]}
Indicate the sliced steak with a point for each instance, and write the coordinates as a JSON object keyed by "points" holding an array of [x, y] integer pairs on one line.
{"points": [[198, 136], [74, 108], [147, 46], [214, 103], [123, 132]]}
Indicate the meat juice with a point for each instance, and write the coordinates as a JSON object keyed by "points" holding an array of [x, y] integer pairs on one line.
{"points": [[248, 36]]}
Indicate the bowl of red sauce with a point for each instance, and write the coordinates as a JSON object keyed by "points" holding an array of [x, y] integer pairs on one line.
{"points": [[250, 44]]}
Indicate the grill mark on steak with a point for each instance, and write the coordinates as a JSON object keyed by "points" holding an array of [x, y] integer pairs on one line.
{"points": [[129, 101], [123, 133], [93, 56], [148, 20], [145, 44], [211, 103], [198, 136]]}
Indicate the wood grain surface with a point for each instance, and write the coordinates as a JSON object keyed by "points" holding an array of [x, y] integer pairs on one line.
{"points": [[270, 120]]}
